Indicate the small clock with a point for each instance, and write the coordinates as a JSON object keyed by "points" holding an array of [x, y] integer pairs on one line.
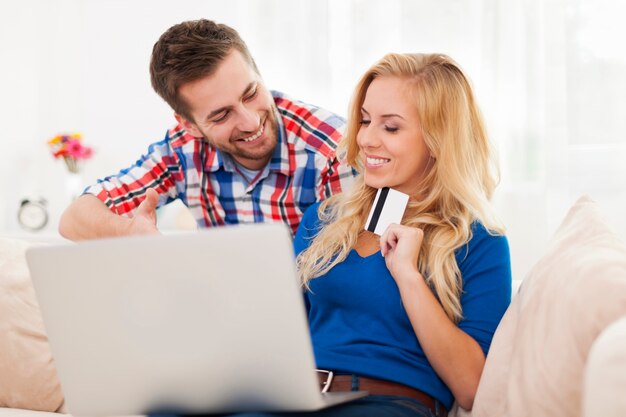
{"points": [[32, 214]]}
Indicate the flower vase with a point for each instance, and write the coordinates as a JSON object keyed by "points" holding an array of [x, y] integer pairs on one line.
{"points": [[73, 185]]}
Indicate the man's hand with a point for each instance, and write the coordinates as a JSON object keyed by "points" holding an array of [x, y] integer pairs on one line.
{"points": [[144, 222], [89, 218]]}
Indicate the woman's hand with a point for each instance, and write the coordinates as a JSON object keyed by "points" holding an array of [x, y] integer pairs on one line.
{"points": [[400, 246]]}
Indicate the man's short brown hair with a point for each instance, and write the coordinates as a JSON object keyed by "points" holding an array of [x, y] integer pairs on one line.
{"points": [[189, 51]]}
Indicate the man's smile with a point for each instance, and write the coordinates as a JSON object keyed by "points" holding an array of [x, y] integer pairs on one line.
{"points": [[254, 137]]}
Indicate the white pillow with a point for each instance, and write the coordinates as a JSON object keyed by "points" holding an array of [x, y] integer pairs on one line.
{"points": [[536, 362], [605, 374], [28, 377]]}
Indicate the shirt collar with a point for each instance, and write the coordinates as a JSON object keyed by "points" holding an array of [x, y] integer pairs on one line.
{"points": [[214, 160], [280, 161]]}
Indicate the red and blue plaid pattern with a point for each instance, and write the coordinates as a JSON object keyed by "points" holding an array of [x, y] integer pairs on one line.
{"points": [[303, 169]]}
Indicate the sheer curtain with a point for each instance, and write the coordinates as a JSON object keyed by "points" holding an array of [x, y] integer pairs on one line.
{"points": [[558, 115], [549, 76]]}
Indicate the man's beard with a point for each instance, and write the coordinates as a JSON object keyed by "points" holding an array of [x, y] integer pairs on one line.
{"points": [[262, 152]]}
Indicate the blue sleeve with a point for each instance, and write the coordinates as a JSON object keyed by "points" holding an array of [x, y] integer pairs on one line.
{"points": [[485, 266], [308, 228]]}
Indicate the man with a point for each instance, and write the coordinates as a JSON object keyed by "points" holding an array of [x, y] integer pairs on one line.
{"points": [[239, 153]]}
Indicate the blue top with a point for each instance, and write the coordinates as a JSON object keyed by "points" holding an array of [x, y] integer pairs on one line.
{"points": [[359, 326]]}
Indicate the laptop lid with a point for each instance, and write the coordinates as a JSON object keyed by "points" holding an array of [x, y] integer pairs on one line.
{"points": [[212, 321]]}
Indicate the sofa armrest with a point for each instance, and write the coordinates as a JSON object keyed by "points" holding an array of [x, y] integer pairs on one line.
{"points": [[605, 373]]}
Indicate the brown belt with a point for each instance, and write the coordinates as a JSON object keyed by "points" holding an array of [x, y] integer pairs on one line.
{"points": [[330, 382]]}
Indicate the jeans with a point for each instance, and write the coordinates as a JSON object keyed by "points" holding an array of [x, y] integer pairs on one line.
{"points": [[371, 406]]}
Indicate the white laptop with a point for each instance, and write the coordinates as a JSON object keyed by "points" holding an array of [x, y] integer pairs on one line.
{"points": [[207, 322]]}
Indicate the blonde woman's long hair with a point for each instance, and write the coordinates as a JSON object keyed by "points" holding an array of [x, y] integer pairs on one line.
{"points": [[455, 192]]}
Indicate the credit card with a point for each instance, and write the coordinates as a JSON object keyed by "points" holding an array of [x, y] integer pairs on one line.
{"points": [[388, 207]]}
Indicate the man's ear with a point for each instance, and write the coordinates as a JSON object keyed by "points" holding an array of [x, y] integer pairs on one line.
{"points": [[188, 125]]}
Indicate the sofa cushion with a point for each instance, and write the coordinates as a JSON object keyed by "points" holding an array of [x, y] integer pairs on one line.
{"points": [[28, 378], [14, 412], [536, 362]]}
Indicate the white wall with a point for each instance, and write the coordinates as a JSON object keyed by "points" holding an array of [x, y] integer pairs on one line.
{"points": [[548, 79], [83, 66]]}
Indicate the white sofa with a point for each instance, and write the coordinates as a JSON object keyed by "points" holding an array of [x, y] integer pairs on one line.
{"points": [[559, 350]]}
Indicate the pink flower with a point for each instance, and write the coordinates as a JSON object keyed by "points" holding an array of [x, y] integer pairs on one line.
{"points": [[87, 152], [74, 149]]}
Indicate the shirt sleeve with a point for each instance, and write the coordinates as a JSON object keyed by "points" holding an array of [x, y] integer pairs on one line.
{"points": [[159, 168], [485, 267], [308, 228], [335, 177]]}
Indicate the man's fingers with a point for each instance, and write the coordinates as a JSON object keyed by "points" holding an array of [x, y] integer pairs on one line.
{"points": [[152, 197], [148, 205]]}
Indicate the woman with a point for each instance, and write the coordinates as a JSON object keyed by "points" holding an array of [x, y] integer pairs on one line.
{"points": [[409, 315], [417, 306]]}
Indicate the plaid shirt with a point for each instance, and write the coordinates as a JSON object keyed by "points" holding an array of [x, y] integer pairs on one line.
{"points": [[303, 170]]}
